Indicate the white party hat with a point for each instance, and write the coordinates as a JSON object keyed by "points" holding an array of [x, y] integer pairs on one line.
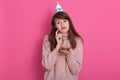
{"points": [[58, 7]]}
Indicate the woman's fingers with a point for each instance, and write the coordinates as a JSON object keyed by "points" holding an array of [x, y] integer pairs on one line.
{"points": [[58, 35], [65, 51], [56, 32]]}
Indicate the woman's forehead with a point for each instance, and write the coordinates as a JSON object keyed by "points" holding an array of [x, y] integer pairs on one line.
{"points": [[59, 19]]}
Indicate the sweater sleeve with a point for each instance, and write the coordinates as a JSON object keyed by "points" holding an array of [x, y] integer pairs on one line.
{"points": [[48, 57], [75, 61]]}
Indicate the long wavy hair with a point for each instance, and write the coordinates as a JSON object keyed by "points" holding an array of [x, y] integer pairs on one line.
{"points": [[72, 34]]}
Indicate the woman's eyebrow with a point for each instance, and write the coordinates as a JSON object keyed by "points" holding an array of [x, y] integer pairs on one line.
{"points": [[58, 20]]}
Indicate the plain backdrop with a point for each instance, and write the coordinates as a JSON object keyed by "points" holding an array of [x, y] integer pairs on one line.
{"points": [[24, 23]]}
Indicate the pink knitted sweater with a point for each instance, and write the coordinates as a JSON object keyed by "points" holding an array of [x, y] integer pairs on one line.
{"points": [[59, 67]]}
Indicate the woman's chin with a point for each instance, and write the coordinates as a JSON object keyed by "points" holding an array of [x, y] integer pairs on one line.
{"points": [[63, 31]]}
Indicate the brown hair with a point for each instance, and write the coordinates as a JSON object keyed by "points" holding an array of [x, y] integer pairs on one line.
{"points": [[72, 34]]}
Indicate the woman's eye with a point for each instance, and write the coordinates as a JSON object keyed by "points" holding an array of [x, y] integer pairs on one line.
{"points": [[58, 23], [65, 21]]}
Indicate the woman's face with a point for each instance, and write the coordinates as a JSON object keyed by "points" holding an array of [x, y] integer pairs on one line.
{"points": [[62, 25]]}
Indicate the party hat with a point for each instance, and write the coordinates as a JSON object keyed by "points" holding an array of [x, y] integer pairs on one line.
{"points": [[58, 7]]}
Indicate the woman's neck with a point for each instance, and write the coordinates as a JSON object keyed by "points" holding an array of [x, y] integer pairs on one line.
{"points": [[65, 34]]}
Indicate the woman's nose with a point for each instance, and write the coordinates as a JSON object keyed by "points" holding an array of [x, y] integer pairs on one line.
{"points": [[62, 24]]}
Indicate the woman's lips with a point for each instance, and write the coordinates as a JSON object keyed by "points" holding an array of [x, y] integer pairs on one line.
{"points": [[63, 27]]}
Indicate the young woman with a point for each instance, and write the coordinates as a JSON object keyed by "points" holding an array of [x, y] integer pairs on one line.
{"points": [[62, 51]]}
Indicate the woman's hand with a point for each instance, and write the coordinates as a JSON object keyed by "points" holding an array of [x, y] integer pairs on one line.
{"points": [[66, 50], [58, 38]]}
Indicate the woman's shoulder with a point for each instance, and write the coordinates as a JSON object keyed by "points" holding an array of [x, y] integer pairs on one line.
{"points": [[79, 42], [46, 41], [78, 39], [46, 37]]}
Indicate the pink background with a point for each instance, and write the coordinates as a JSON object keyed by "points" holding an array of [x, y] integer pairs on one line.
{"points": [[23, 24]]}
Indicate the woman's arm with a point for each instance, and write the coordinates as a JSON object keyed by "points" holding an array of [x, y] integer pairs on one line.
{"points": [[75, 60], [48, 57]]}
